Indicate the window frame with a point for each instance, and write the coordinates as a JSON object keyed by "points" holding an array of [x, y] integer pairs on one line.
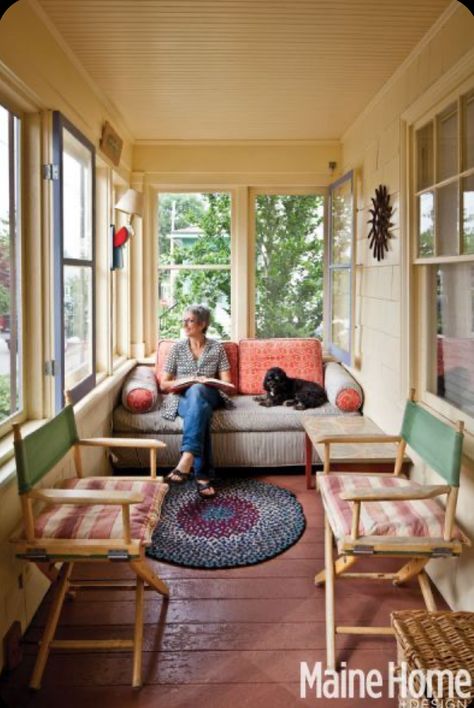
{"points": [[16, 177], [421, 285], [60, 262], [255, 191], [333, 349], [223, 189]]}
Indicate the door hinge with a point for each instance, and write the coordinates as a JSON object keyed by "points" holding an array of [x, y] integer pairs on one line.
{"points": [[363, 550], [50, 367], [50, 171], [442, 552], [38, 555], [119, 554]]}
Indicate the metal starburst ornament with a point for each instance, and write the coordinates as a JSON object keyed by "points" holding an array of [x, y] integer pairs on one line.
{"points": [[380, 222]]}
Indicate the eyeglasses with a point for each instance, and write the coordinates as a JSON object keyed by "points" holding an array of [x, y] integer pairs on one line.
{"points": [[188, 320]]}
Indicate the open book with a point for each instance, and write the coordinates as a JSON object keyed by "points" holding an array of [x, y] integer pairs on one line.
{"points": [[182, 384]]}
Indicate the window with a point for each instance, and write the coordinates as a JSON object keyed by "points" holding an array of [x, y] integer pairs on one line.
{"points": [[444, 199], [10, 263], [289, 247], [340, 261], [194, 255], [74, 261]]}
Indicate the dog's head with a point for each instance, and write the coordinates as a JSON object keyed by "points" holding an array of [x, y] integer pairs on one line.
{"points": [[275, 379]]}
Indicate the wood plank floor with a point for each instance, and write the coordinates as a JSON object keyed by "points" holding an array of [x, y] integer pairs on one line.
{"points": [[226, 638]]}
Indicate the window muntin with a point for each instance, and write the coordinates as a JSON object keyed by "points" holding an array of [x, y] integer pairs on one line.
{"points": [[74, 261], [289, 249], [341, 235], [11, 384], [194, 257]]}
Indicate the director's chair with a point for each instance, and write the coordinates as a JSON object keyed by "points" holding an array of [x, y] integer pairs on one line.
{"points": [[88, 519], [381, 515]]}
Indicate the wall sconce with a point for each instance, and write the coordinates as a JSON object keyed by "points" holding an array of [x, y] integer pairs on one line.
{"points": [[131, 203]]}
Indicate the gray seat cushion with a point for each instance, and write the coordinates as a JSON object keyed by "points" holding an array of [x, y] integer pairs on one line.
{"points": [[246, 416]]}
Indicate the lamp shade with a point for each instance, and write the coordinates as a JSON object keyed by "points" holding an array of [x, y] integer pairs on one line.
{"points": [[131, 202]]}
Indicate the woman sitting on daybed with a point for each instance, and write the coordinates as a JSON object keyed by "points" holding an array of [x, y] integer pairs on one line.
{"points": [[200, 357]]}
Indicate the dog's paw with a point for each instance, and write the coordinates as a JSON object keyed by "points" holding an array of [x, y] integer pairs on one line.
{"points": [[300, 406], [289, 402], [266, 403]]}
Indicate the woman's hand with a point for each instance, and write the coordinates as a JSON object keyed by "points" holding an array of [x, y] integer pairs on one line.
{"points": [[167, 381]]}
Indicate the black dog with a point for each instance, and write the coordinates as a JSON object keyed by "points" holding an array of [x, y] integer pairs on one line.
{"points": [[283, 390]]}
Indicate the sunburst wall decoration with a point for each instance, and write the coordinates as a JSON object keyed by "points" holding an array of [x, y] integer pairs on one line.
{"points": [[380, 222]]}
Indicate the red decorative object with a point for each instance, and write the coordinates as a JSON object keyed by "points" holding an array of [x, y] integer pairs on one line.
{"points": [[121, 236]]}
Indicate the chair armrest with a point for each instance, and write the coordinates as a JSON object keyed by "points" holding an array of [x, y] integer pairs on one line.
{"points": [[85, 496], [122, 442], [347, 438], [407, 492]]}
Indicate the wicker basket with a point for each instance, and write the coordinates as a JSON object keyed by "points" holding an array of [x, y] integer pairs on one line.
{"points": [[436, 641]]}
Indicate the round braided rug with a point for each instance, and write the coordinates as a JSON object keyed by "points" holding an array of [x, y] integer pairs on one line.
{"points": [[246, 523]]}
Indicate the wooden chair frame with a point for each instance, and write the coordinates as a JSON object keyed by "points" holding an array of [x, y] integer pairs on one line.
{"points": [[46, 552], [419, 550]]}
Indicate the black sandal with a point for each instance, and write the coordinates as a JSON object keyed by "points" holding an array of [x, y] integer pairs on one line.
{"points": [[180, 476], [202, 487]]}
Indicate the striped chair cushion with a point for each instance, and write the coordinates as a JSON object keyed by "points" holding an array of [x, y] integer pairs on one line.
{"points": [[421, 518], [100, 521]]}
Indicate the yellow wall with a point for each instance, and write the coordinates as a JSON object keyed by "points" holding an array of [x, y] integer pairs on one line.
{"points": [[245, 163], [374, 147], [31, 54]]}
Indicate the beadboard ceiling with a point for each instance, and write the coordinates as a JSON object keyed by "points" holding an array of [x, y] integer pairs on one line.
{"points": [[240, 69]]}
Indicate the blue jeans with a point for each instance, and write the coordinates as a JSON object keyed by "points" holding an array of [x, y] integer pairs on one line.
{"points": [[196, 406]]}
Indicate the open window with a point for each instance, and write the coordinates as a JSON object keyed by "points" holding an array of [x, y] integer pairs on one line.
{"points": [[74, 252], [340, 268]]}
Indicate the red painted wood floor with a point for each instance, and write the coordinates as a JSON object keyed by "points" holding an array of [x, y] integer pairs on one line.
{"points": [[227, 637]]}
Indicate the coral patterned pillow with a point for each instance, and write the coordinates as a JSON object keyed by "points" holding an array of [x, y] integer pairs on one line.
{"points": [[301, 358], [140, 390], [231, 349], [342, 389]]}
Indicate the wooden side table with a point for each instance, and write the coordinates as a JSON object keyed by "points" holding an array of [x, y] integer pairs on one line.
{"points": [[347, 457]]}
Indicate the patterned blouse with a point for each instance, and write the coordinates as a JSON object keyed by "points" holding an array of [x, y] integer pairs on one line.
{"points": [[181, 364]]}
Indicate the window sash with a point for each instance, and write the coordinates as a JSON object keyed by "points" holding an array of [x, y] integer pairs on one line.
{"points": [[15, 374], [169, 268], [338, 265], [60, 123]]}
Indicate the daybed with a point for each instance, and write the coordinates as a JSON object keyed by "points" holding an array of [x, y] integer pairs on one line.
{"points": [[248, 434]]}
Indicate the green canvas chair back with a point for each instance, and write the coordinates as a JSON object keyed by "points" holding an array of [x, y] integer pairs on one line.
{"points": [[437, 443], [39, 451]]}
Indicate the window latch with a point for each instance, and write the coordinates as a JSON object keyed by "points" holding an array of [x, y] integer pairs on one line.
{"points": [[49, 368]]}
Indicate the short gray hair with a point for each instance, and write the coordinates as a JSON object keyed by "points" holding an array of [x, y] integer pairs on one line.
{"points": [[201, 313]]}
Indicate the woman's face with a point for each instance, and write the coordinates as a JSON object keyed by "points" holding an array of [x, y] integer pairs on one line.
{"points": [[191, 325]]}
